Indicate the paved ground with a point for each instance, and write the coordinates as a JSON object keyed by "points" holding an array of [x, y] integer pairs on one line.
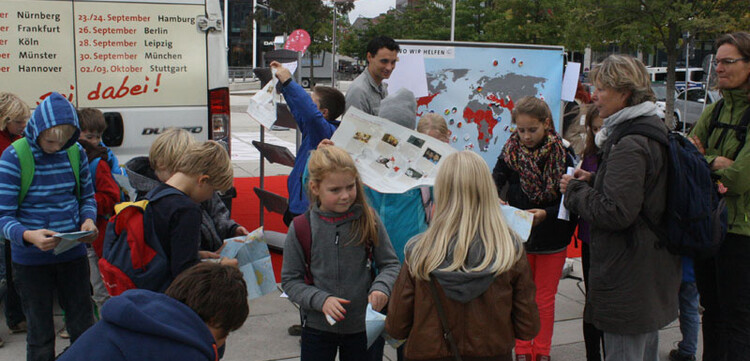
{"points": [[264, 335]]}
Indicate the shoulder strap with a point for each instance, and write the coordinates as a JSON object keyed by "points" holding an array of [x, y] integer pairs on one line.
{"points": [[447, 334], [26, 162], [303, 232], [93, 164], [74, 156], [714, 118], [741, 132]]}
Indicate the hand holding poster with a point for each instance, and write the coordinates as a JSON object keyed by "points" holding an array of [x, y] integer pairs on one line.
{"points": [[262, 107], [390, 158]]}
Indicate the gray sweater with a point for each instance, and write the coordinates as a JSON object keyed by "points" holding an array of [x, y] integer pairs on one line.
{"points": [[365, 95], [339, 267]]}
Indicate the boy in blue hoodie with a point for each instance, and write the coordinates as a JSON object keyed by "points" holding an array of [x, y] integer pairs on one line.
{"points": [[189, 322], [316, 118], [57, 201]]}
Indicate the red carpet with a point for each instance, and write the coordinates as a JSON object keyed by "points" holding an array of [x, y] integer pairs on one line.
{"points": [[246, 209]]}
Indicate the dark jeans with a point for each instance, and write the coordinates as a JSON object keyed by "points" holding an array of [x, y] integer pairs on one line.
{"points": [[321, 346], [288, 217], [375, 352], [37, 286], [13, 309], [592, 336], [724, 287], [690, 319]]}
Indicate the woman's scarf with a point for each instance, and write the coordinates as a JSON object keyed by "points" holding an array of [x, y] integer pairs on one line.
{"points": [[540, 185], [625, 114]]}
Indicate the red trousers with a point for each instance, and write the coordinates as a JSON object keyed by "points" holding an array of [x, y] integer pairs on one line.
{"points": [[546, 269]]}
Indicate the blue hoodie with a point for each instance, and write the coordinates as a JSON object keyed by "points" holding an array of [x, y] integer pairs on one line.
{"points": [[51, 201], [142, 325], [314, 128]]}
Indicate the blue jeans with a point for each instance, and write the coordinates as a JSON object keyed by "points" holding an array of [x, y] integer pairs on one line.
{"points": [[37, 286], [690, 321], [320, 345]]}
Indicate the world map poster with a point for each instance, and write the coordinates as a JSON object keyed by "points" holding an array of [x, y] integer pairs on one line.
{"points": [[475, 86]]}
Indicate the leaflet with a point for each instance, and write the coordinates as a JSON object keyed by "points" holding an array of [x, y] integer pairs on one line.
{"points": [[518, 220], [254, 261], [390, 158], [69, 240]]}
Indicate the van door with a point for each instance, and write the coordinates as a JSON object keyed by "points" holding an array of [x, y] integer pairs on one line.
{"points": [[144, 63]]}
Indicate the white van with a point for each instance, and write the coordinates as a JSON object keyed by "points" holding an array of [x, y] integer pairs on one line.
{"points": [[147, 64], [694, 76]]}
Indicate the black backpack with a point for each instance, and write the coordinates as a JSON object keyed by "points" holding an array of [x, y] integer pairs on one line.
{"points": [[695, 218]]}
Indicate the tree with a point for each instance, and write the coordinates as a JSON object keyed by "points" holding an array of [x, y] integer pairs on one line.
{"points": [[661, 23], [314, 16]]}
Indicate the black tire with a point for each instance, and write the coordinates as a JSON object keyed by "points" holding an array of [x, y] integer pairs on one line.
{"points": [[305, 82]]}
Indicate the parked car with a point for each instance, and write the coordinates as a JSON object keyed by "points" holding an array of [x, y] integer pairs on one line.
{"points": [[697, 100]]}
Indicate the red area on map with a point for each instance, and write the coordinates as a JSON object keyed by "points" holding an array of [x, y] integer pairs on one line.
{"points": [[426, 100], [479, 117], [501, 102]]}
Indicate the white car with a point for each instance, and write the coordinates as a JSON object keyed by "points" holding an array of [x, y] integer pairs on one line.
{"points": [[687, 112]]}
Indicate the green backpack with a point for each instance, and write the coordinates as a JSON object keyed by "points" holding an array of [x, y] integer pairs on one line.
{"points": [[26, 161]]}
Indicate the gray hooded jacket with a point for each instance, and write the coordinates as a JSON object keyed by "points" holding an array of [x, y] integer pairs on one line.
{"points": [[339, 268]]}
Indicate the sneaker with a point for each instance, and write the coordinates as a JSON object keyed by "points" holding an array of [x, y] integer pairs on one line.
{"points": [[64, 333], [543, 358], [18, 328], [296, 330], [524, 357], [675, 355]]}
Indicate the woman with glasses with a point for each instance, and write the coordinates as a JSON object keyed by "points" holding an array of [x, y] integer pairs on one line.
{"points": [[724, 279]]}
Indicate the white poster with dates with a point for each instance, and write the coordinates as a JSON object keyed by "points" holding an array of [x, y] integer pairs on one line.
{"points": [[100, 54]]}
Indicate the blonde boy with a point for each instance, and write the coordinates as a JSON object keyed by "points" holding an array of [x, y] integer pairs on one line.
{"points": [[203, 169]]}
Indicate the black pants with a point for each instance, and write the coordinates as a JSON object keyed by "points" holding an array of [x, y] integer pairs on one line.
{"points": [[13, 310], [724, 287], [288, 217], [592, 336]]}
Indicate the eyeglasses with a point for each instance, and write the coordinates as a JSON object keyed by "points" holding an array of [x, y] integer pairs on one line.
{"points": [[728, 61]]}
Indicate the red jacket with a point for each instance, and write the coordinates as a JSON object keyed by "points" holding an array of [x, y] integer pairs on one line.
{"points": [[6, 139], [107, 195]]}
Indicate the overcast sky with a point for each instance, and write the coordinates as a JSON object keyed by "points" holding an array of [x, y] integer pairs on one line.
{"points": [[370, 8]]}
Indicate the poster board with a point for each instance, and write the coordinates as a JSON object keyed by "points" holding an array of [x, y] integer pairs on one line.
{"points": [[474, 86]]}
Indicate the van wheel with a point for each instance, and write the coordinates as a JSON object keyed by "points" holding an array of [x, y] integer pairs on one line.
{"points": [[305, 82]]}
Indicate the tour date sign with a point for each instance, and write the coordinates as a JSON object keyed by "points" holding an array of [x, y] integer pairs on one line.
{"points": [[104, 54]]}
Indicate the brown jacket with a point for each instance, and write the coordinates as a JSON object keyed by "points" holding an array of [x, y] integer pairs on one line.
{"points": [[484, 328]]}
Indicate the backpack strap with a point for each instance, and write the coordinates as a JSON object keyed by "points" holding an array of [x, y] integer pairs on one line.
{"points": [[93, 164], [26, 162], [303, 231], [74, 156], [740, 130], [447, 334]]}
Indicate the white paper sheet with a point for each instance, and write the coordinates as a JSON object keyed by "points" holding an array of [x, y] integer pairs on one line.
{"points": [[518, 220], [390, 158], [410, 74], [262, 106], [570, 81]]}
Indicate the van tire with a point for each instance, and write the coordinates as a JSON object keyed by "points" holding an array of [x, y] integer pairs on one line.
{"points": [[305, 82]]}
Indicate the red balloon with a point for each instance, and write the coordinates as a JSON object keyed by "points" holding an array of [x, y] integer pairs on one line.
{"points": [[298, 40]]}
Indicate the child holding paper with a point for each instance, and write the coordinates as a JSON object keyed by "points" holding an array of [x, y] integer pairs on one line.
{"points": [[477, 267], [316, 116], [345, 231], [59, 199], [532, 162]]}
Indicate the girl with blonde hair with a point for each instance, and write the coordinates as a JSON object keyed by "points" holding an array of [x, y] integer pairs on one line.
{"points": [[476, 264], [332, 281]]}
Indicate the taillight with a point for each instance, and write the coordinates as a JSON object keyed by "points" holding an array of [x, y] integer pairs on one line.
{"points": [[218, 115]]}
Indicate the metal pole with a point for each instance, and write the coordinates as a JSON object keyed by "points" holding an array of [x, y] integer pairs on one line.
{"points": [[333, 50], [453, 21], [687, 65], [226, 23], [708, 81], [255, 36]]}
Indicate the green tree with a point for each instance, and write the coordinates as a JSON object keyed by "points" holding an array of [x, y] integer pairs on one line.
{"points": [[642, 24], [313, 16]]}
